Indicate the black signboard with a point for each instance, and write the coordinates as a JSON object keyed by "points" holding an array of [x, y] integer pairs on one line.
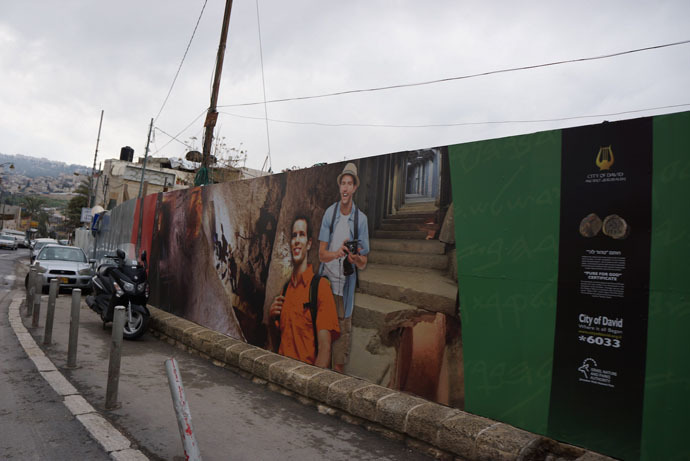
{"points": [[603, 287]]}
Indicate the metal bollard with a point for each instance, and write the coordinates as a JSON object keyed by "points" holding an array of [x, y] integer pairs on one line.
{"points": [[184, 417], [30, 291], [73, 329], [38, 290], [115, 355], [50, 313]]}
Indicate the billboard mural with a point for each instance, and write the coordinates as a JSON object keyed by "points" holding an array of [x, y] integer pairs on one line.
{"points": [[544, 289], [240, 258]]}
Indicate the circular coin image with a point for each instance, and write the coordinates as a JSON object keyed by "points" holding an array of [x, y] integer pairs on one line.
{"points": [[590, 225], [615, 227]]}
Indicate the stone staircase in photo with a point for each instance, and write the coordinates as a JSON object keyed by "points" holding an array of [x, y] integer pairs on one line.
{"points": [[405, 279]]}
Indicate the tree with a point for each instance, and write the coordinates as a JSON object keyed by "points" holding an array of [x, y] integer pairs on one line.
{"points": [[33, 206], [79, 201], [43, 219]]}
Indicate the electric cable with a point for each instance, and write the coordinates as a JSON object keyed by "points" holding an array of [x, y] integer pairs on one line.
{"points": [[461, 77], [182, 61], [435, 125], [174, 138], [263, 85]]}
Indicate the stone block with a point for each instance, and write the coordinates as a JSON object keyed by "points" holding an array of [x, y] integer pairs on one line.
{"points": [[263, 363], [392, 411], [363, 401], [278, 372], [297, 380], [501, 442], [459, 433], [77, 405], [424, 421], [247, 358], [212, 340], [232, 353], [190, 332], [59, 383], [107, 436], [218, 350], [318, 385], [175, 327], [340, 392], [206, 339]]}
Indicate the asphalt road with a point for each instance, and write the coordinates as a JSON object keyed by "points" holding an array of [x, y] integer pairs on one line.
{"points": [[233, 418], [34, 423]]}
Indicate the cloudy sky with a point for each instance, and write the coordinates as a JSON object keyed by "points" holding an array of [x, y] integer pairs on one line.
{"points": [[62, 62]]}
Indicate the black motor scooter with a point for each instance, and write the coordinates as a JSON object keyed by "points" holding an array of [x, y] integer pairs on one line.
{"points": [[122, 282]]}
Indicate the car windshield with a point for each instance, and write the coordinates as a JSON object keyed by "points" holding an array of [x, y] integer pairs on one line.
{"points": [[6, 237], [62, 254]]}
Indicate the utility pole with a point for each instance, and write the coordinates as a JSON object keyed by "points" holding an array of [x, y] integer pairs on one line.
{"points": [[92, 194], [212, 114], [95, 187], [141, 191], [146, 156]]}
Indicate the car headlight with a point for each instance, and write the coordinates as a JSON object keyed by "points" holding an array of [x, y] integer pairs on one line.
{"points": [[128, 287], [86, 271], [40, 269]]}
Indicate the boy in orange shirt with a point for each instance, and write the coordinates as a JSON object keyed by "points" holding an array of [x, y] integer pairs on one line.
{"points": [[291, 313]]}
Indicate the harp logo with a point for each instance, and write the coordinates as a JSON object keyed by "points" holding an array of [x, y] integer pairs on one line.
{"points": [[604, 158]]}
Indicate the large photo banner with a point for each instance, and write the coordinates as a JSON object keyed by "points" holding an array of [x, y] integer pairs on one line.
{"points": [[340, 266]]}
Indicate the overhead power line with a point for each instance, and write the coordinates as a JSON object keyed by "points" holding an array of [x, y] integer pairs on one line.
{"points": [[438, 125], [461, 77], [182, 61], [174, 138]]}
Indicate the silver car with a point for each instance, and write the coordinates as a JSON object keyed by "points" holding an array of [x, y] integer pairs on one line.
{"points": [[38, 245], [67, 264], [8, 241]]}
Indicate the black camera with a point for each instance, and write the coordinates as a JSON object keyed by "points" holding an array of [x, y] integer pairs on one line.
{"points": [[352, 248]]}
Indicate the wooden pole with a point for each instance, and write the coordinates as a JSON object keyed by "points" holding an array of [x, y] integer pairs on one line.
{"points": [[92, 192], [212, 114]]}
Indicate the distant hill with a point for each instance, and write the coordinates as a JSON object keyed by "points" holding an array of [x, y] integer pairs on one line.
{"points": [[34, 167]]}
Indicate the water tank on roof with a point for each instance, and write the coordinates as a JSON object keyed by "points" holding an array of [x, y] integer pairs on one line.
{"points": [[127, 154]]}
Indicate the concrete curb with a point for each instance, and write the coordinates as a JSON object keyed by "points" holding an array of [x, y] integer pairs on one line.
{"points": [[437, 430], [112, 440]]}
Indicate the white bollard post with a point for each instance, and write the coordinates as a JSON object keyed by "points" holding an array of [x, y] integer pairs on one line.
{"points": [[184, 417]]}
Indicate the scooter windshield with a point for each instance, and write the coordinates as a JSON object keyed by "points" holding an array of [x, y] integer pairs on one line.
{"points": [[130, 253]]}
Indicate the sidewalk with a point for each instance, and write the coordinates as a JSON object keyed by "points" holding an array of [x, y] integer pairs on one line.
{"points": [[233, 418]]}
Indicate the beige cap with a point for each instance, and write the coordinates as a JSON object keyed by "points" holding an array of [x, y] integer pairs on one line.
{"points": [[350, 169]]}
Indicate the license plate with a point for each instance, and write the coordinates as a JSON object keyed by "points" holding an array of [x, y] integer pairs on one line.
{"points": [[64, 280]]}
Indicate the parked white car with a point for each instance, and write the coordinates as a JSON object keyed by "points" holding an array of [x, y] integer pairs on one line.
{"points": [[66, 264], [8, 242]]}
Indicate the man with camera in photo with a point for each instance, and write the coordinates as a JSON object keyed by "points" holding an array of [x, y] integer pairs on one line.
{"points": [[304, 315], [343, 249]]}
